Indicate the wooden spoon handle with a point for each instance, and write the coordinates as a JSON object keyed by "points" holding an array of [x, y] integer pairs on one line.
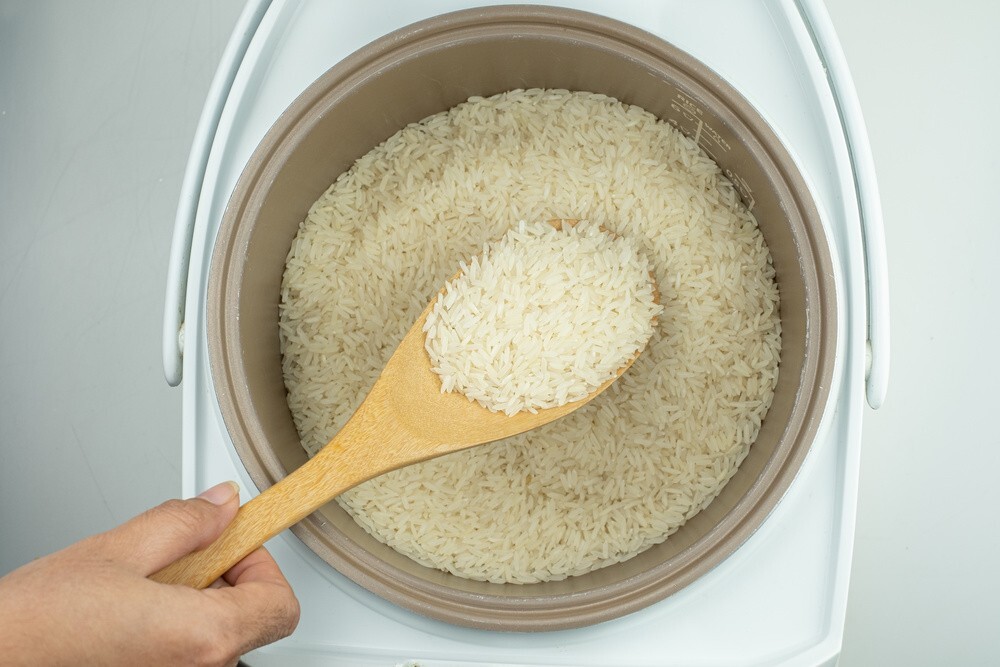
{"points": [[292, 499], [370, 443]]}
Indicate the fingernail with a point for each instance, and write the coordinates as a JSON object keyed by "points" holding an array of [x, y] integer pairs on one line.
{"points": [[220, 494]]}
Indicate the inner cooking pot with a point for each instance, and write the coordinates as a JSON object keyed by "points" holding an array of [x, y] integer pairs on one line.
{"points": [[427, 68]]}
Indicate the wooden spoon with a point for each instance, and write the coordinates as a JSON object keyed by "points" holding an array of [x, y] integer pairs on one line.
{"points": [[405, 419]]}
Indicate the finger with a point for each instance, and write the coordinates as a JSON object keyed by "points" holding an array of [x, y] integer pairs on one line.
{"points": [[264, 607], [257, 566], [162, 535]]}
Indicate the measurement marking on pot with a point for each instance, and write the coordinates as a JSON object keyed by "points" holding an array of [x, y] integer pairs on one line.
{"points": [[742, 187], [692, 113], [709, 140]]}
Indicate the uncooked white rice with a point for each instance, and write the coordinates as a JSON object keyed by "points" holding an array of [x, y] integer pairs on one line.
{"points": [[623, 472], [542, 317]]}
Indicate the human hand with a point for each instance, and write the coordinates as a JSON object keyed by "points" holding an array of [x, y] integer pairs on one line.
{"points": [[91, 603]]}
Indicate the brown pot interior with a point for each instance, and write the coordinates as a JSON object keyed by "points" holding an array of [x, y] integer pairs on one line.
{"points": [[430, 67]]}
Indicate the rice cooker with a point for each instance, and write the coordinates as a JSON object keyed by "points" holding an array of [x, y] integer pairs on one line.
{"points": [[760, 576]]}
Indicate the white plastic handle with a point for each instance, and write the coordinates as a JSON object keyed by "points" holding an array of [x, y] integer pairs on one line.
{"points": [[817, 20], [194, 174]]}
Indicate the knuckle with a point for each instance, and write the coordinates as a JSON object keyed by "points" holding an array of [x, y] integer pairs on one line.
{"points": [[232, 629], [282, 620], [293, 612], [184, 516], [215, 646], [275, 621]]}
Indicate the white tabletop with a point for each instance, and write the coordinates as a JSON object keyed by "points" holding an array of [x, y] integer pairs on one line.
{"points": [[98, 104]]}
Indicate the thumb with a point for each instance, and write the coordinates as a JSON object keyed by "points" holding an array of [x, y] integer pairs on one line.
{"points": [[169, 531]]}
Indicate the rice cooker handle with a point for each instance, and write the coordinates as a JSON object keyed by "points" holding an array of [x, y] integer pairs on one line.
{"points": [[869, 204], [194, 175]]}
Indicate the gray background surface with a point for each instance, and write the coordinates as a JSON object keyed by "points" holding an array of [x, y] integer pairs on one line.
{"points": [[98, 105]]}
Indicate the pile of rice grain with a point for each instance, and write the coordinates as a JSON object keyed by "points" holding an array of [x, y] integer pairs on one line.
{"points": [[625, 471], [541, 318]]}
